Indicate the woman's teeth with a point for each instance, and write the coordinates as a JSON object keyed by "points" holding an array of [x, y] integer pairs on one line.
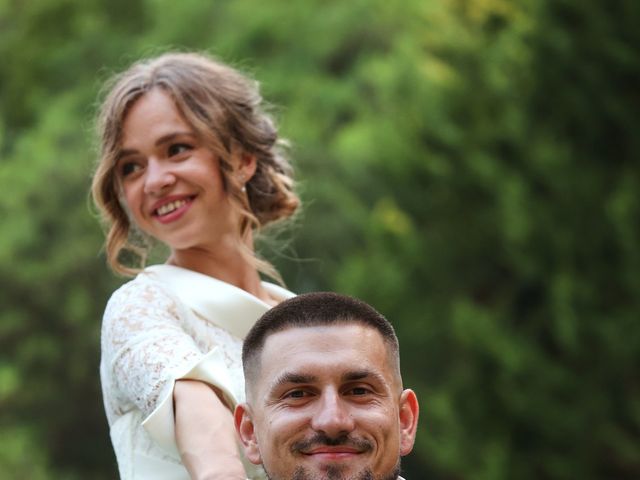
{"points": [[170, 207]]}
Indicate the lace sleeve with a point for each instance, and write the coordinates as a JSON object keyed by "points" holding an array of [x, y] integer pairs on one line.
{"points": [[143, 343]]}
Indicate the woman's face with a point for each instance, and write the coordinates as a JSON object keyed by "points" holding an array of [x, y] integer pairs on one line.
{"points": [[171, 182]]}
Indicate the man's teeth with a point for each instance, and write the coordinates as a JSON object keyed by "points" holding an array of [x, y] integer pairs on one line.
{"points": [[170, 207]]}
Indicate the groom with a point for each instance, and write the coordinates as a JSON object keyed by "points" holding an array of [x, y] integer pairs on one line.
{"points": [[324, 393]]}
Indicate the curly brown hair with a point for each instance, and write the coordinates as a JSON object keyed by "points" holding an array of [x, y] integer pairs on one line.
{"points": [[225, 109]]}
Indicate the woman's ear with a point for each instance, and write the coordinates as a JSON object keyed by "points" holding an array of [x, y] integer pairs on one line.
{"points": [[246, 431], [409, 412], [244, 164]]}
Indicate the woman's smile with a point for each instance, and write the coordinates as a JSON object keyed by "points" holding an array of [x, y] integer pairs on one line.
{"points": [[171, 209]]}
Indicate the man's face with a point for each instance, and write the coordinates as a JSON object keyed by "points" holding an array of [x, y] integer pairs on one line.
{"points": [[328, 404]]}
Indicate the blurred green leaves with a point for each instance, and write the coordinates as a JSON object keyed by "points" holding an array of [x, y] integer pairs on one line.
{"points": [[468, 167]]}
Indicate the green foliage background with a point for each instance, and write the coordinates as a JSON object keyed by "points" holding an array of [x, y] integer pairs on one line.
{"points": [[468, 167]]}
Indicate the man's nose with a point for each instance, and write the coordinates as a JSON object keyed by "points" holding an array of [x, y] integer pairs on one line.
{"points": [[332, 416], [158, 177]]}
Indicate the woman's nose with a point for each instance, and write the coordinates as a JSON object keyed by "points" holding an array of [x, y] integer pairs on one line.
{"points": [[158, 178]]}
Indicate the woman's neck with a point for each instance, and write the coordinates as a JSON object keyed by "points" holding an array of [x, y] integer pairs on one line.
{"points": [[225, 262]]}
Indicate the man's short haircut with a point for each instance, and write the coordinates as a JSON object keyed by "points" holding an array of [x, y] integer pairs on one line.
{"points": [[313, 310]]}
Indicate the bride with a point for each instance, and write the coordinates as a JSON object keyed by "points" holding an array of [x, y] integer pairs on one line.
{"points": [[189, 159]]}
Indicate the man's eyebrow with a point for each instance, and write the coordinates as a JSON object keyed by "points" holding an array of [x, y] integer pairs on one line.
{"points": [[288, 378], [354, 375]]}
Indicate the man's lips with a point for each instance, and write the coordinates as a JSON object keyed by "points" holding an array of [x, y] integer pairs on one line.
{"points": [[322, 445], [332, 453], [325, 449]]}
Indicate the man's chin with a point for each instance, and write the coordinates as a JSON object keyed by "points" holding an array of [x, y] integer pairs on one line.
{"points": [[335, 472]]}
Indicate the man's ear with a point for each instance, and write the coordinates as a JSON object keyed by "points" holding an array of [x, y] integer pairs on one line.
{"points": [[246, 432], [409, 412]]}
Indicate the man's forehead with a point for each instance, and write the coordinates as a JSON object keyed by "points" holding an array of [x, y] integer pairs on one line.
{"points": [[342, 336], [341, 348]]}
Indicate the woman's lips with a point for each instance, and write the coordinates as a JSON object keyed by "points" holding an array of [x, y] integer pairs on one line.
{"points": [[171, 209]]}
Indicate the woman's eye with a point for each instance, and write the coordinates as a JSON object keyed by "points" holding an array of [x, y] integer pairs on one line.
{"points": [[129, 168], [178, 148]]}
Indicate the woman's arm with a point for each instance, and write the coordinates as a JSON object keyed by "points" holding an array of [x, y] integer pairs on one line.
{"points": [[205, 433], [144, 347]]}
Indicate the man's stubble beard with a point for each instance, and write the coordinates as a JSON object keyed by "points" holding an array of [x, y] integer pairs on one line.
{"points": [[334, 473]]}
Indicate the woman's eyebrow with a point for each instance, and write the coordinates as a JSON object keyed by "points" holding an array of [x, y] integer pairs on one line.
{"points": [[172, 136], [161, 141], [125, 153]]}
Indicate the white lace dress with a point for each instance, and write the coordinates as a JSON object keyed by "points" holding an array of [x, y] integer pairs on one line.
{"points": [[166, 324]]}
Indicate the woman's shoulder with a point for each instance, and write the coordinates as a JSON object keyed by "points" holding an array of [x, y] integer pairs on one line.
{"points": [[144, 290], [141, 282]]}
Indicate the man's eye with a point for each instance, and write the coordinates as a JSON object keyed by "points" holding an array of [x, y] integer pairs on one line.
{"points": [[359, 391], [296, 394], [178, 148]]}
